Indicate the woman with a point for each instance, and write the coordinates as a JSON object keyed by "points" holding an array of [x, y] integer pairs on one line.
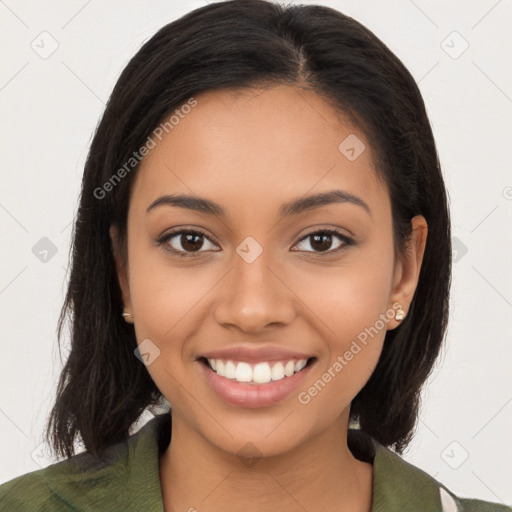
{"points": [[263, 241]]}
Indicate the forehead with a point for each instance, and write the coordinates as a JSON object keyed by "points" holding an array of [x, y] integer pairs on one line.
{"points": [[258, 144]]}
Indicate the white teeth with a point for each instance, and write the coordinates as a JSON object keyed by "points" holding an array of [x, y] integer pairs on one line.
{"points": [[243, 372], [260, 373], [229, 370], [289, 369], [277, 371], [299, 365]]}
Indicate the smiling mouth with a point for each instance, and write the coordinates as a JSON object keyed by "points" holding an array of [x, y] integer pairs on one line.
{"points": [[259, 373]]}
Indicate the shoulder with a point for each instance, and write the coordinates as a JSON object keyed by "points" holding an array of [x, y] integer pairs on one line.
{"points": [[126, 477], [473, 505], [71, 484], [399, 485], [28, 491]]}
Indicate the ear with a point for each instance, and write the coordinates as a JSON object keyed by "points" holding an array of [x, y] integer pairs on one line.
{"points": [[121, 270], [408, 266]]}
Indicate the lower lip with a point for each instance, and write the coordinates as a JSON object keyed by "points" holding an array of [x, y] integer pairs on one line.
{"points": [[252, 395]]}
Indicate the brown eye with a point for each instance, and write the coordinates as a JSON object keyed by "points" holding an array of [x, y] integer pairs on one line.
{"points": [[185, 242], [322, 241], [191, 241]]}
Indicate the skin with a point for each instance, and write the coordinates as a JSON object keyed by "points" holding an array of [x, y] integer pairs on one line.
{"points": [[251, 151]]}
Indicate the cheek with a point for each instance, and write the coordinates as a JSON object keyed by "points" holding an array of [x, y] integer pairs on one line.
{"points": [[165, 301], [350, 306], [165, 295], [349, 298]]}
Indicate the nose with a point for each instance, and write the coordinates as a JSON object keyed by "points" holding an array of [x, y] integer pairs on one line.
{"points": [[255, 296]]}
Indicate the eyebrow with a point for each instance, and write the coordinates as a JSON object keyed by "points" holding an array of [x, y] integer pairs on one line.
{"points": [[294, 207]]}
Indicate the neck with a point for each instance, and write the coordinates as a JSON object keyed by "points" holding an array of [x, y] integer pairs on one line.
{"points": [[320, 474]]}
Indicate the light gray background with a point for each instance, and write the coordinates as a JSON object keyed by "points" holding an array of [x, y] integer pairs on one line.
{"points": [[50, 107]]}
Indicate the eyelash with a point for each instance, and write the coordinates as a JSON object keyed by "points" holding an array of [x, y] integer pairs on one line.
{"points": [[347, 241]]}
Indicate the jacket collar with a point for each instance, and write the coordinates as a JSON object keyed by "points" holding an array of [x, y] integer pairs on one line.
{"points": [[128, 475], [398, 485]]}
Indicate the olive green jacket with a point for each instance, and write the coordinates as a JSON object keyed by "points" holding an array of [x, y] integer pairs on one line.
{"points": [[127, 479]]}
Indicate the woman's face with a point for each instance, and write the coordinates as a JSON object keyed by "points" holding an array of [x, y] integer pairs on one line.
{"points": [[263, 284]]}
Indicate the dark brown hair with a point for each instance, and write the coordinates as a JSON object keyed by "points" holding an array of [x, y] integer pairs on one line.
{"points": [[104, 388]]}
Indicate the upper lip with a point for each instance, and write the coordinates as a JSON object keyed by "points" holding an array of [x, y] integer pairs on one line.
{"points": [[255, 354]]}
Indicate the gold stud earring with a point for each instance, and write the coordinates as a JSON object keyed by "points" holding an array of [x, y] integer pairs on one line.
{"points": [[128, 317], [400, 315]]}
